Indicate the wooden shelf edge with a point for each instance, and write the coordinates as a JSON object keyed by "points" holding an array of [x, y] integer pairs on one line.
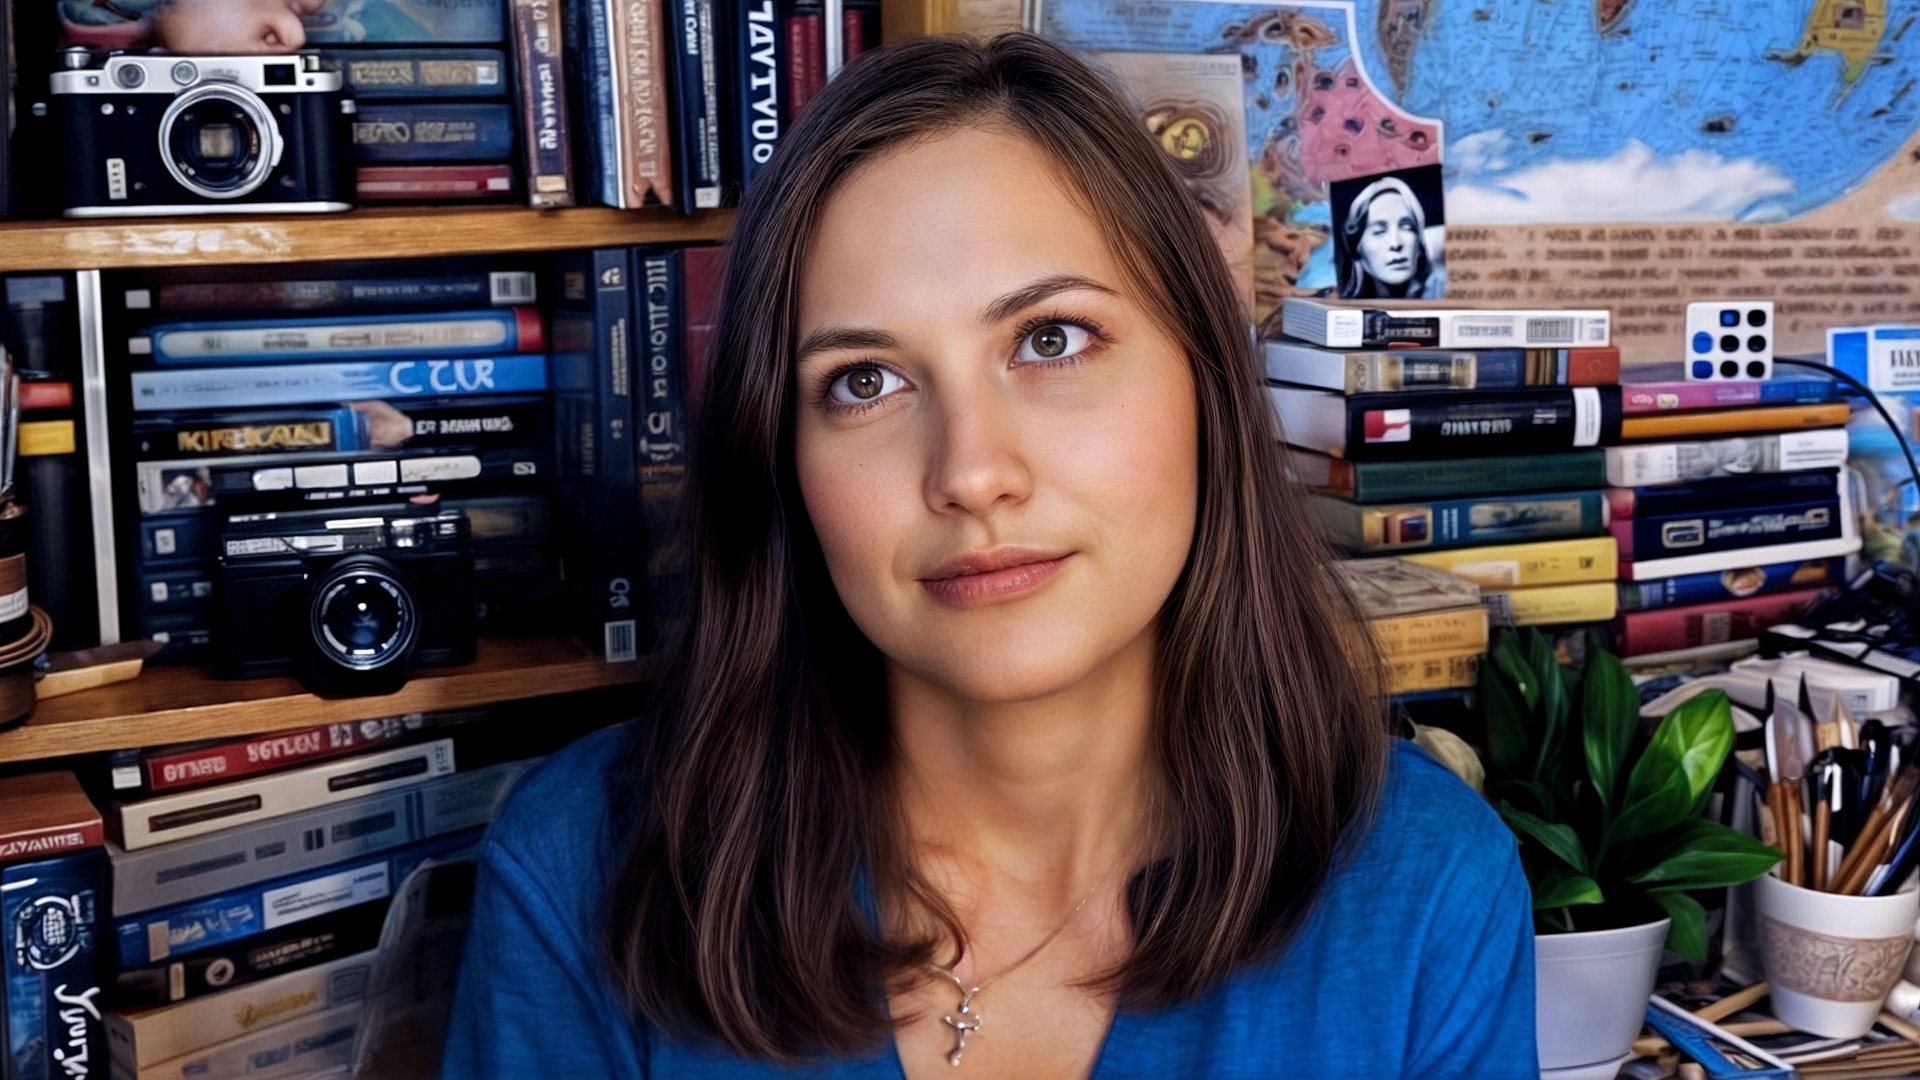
{"points": [[170, 705], [374, 233]]}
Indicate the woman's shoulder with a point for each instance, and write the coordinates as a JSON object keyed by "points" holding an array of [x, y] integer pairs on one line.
{"points": [[557, 823], [1428, 817]]}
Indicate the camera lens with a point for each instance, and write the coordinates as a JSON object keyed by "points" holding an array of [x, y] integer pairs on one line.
{"points": [[219, 141], [362, 616]]}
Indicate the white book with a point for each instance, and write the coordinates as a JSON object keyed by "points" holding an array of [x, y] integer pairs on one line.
{"points": [[150, 1036], [136, 825], [297, 1048], [1670, 463], [1338, 325]]}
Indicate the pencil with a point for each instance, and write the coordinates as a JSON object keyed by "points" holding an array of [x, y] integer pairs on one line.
{"points": [[1796, 838], [1821, 826]]}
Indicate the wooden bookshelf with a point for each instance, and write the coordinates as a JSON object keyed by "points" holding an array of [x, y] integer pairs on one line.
{"points": [[378, 233], [168, 705]]}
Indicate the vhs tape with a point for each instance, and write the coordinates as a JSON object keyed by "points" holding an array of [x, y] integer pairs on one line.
{"points": [[144, 1037], [298, 1048], [295, 947], [444, 335]]}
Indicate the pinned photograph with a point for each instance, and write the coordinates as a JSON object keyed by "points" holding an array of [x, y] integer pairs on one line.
{"points": [[1390, 235]]}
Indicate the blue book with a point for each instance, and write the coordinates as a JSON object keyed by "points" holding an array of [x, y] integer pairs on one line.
{"points": [[311, 384], [756, 45], [1427, 526], [421, 134], [588, 43], [409, 74], [1711, 588], [254, 909], [223, 434], [661, 447], [594, 371], [1644, 539], [695, 73], [54, 911], [442, 335], [407, 22]]}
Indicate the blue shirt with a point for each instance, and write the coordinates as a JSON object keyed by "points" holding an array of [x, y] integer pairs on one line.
{"points": [[1417, 961]]}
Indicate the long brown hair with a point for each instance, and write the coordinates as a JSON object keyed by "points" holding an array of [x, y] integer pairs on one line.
{"points": [[737, 915]]}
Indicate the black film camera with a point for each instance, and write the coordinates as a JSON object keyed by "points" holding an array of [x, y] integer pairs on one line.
{"points": [[350, 599], [157, 134]]}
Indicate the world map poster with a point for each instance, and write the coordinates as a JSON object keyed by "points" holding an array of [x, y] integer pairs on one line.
{"points": [[1600, 153]]}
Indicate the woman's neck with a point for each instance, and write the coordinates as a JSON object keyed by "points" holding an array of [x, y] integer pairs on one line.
{"points": [[1046, 793]]}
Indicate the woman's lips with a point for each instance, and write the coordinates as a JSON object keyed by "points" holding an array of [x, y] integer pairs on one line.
{"points": [[989, 578]]}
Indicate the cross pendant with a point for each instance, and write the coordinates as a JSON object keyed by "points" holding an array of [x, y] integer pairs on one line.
{"points": [[964, 1022]]}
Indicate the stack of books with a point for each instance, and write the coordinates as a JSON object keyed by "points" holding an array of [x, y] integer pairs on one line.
{"points": [[258, 892], [1482, 461], [1428, 625], [1730, 505]]}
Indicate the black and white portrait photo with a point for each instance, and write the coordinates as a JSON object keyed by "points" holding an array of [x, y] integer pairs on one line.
{"points": [[1389, 234]]}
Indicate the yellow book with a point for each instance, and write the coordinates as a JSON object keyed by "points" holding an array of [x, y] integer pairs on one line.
{"points": [[1588, 602], [1515, 566], [1436, 671], [1453, 630], [1732, 421]]}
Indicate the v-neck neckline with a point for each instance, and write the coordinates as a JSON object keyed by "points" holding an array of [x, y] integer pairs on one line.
{"points": [[1098, 1072]]}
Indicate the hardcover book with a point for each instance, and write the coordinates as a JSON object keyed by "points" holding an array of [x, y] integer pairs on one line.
{"points": [[43, 814], [1681, 425], [142, 1038], [259, 386], [407, 74], [1666, 463], [1460, 522], [1642, 632], [1439, 478], [444, 335], [1736, 584], [453, 289], [1389, 587], [293, 947], [1501, 567], [1551, 605], [1366, 427], [55, 914], [697, 83], [1390, 370], [414, 133], [545, 125], [432, 183]]}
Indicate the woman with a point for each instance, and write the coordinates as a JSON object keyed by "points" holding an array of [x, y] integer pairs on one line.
{"points": [[1013, 733], [1383, 244]]}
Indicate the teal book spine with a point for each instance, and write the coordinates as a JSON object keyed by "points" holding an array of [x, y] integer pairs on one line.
{"points": [[1395, 481]]}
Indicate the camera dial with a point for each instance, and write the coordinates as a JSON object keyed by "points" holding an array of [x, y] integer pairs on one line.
{"points": [[219, 141]]}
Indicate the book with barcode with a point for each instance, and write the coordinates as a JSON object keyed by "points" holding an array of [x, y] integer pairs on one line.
{"points": [[1355, 325], [442, 335], [1436, 423], [136, 825], [1365, 372]]}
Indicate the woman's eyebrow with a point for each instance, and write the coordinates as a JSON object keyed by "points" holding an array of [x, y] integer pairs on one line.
{"points": [[831, 338], [1034, 292]]}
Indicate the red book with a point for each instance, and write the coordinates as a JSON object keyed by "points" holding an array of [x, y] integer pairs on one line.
{"points": [[1593, 367], [51, 394], [193, 766], [702, 270], [44, 814], [401, 183], [1637, 633], [799, 83]]}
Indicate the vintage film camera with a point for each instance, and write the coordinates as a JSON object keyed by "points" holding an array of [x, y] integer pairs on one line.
{"points": [[158, 134], [350, 599]]}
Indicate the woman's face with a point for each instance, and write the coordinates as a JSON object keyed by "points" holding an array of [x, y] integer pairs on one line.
{"points": [[997, 446], [1390, 241]]}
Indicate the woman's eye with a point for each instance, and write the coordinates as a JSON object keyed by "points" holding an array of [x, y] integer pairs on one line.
{"points": [[863, 384], [1054, 341]]}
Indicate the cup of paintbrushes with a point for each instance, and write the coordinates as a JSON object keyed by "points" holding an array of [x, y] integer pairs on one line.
{"points": [[1831, 959]]}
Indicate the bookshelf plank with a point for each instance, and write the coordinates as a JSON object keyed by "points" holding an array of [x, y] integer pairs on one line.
{"points": [[383, 232], [168, 705]]}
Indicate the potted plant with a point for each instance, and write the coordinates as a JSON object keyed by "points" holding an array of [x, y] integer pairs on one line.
{"points": [[1611, 835]]}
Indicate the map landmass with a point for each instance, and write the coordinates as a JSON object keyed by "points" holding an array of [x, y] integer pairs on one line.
{"points": [[1852, 28]]}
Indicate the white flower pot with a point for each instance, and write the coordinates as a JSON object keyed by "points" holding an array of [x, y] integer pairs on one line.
{"points": [[1591, 990]]}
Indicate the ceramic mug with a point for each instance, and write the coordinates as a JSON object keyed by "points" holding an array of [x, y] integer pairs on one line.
{"points": [[1832, 959]]}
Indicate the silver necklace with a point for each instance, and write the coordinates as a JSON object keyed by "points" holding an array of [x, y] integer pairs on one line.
{"points": [[964, 1020]]}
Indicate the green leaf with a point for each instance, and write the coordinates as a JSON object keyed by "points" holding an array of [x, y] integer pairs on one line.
{"points": [[1609, 714], [1512, 663], [1677, 768], [1688, 934], [1559, 888], [1707, 855], [1508, 751], [1553, 705], [1560, 840]]}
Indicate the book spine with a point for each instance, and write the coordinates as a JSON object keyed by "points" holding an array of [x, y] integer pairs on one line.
{"points": [[1724, 493], [243, 387], [1549, 605], [862, 27], [310, 840], [279, 481], [697, 103], [161, 438], [1415, 425], [204, 810], [760, 95], [411, 74], [596, 137], [297, 1048], [17, 844], [1392, 481], [1641, 632], [1457, 523], [147, 1037], [1512, 566], [55, 914], [216, 920], [453, 290], [37, 395], [1672, 396], [174, 591], [645, 129], [1664, 537], [1456, 630], [443, 334], [1721, 586], [246, 757], [1576, 367], [1411, 674], [295, 947], [432, 183], [414, 134], [1762, 419], [1666, 463], [1372, 372], [661, 445], [544, 140], [53, 478]]}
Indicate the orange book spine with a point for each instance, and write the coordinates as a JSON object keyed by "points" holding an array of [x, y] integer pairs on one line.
{"points": [[1732, 421], [641, 91]]}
